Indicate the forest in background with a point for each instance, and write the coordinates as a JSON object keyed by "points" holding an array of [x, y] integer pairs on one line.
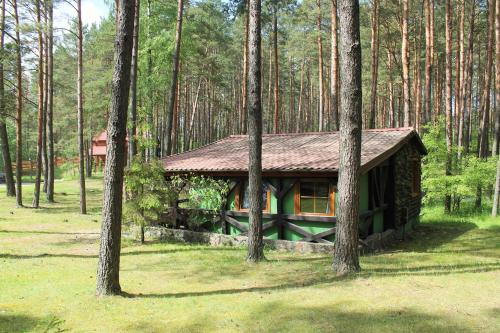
{"points": [[430, 63]]}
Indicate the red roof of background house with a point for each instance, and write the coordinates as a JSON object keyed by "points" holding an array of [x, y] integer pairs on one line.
{"points": [[294, 152], [99, 144]]}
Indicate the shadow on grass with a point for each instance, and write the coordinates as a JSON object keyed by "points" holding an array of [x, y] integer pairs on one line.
{"points": [[17, 323], [279, 316]]}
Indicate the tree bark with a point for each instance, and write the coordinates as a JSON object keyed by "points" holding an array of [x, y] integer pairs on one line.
{"points": [[50, 105], [132, 134], [175, 73], [39, 146], [19, 110], [321, 98], [4, 140], [428, 61], [79, 85], [255, 234], [346, 258], [405, 61], [334, 68], [374, 64], [448, 98], [108, 270], [276, 125], [497, 81], [244, 89], [485, 108]]}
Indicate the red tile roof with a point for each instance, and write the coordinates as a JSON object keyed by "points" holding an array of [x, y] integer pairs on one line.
{"points": [[294, 152]]}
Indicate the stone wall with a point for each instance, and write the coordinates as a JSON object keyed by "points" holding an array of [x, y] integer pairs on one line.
{"points": [[372, 243]]}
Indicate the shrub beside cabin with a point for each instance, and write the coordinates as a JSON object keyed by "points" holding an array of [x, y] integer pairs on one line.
{"points": [[300, 172]]}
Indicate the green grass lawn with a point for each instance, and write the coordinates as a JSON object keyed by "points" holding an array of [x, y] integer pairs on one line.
{"points": [[445, 279]]}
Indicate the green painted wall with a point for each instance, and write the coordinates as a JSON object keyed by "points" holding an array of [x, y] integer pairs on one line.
{"points": [[288, 208]]}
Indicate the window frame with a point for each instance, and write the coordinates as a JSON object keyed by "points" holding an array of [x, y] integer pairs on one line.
{"points": [[238, 195], [332, 189]]}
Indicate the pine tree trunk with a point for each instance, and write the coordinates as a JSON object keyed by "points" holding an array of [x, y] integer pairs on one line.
{"points": [[428, 62], [45, 94], [448, 99], [497, 81], [405, 61], [132, 141], [175, 73], [244, 89], [81, 150], [39, 146], [108, 270], [19, 110], [392, 118], [345, 259], [276, 124], [334, 68], [4, 140], [255, 234], [374, 64], [485, 107], [321, 98], [50, 105]]}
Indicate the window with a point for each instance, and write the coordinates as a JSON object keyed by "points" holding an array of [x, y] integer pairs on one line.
{"points": [[243, 200], [314, 197]]}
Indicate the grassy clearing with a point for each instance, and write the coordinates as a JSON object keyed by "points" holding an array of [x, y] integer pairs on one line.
{"points": [[446, 279]]}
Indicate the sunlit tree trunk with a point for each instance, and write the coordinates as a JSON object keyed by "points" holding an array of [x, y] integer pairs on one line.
{"points": [[334, 68], [132, 141], [405, 61], [374, 64], [108, 269], [321, 98], [19, 109], [345, 258], [50, 105], [448, 97], [38, 172], [428, 62], [175, 73], [4, 140], [255, 243], [81, 149], [276, 128]]}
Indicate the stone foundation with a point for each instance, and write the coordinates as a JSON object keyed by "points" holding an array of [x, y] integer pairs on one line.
{"points": [[373, 242]]}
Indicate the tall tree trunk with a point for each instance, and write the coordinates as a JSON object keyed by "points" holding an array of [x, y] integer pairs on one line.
{"points": [[132, 134], [405, 61], [19, 110], [374, 64], [321, 98], [276, 128], [255, 234], [36, 195], [301, 93], [428, 61], [50, 105], [448, 98], [4, 140], [485, 107], [497, 81], [345, 258], [244, 89], [175, 73], [79, 84], [392, 115], [108, 282], [334, 68], [45, 94]]}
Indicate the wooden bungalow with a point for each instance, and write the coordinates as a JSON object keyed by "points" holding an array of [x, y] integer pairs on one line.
{"points": [[98, 149], [300, 173]]}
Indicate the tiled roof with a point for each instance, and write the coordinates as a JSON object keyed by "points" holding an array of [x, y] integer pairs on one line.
{"points": [[294, 152]]}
